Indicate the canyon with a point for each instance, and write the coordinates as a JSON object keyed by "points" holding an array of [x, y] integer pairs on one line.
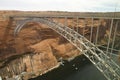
{"points": [[39, 49]]}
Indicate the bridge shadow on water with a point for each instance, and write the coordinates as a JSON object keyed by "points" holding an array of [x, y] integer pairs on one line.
{"points": [[78, 69]]}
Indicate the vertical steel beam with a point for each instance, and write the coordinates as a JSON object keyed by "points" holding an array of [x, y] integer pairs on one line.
{"points": [[108, 44], [97, 35], [73, 23], [91, 31], [77, 25], [66, 23], [116, 26], [84, 28]]}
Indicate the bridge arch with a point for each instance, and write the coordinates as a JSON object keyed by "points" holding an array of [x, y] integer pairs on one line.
{"points": [[103, 62]]}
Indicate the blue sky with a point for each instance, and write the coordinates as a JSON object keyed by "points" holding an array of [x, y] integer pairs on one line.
{"points": [[61, 5]]}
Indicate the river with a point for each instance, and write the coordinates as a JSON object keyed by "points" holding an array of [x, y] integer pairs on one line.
{"points": [[78, 69]]}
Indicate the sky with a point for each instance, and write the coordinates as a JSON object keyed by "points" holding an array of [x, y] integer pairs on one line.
{"points": [[62, 5]]}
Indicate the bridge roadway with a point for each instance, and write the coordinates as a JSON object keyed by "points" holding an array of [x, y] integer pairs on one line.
{"points": [[107, 15], [104, 63]]}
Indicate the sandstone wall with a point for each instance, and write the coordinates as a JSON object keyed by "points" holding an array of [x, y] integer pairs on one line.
{"points": [[45, 45]]}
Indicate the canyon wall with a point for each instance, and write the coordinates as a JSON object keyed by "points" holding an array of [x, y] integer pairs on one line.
{"points": [[38, 48]]}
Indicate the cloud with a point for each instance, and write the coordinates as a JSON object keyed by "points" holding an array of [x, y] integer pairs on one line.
{"points": [[61, 5]]}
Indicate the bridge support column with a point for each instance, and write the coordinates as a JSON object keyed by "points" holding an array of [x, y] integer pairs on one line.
{"points": [[109, 37]]}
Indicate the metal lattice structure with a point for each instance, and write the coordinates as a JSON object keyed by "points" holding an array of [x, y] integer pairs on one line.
{"points": [[98, 57]]}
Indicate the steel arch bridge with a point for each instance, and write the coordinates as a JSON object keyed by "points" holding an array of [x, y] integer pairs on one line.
{"points": [[99, 58]]}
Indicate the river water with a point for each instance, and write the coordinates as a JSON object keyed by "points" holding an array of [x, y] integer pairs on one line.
{"points": [[78, 69]]}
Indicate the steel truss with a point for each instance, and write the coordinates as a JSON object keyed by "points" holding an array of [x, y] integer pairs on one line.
{"points": [[104, 63]]}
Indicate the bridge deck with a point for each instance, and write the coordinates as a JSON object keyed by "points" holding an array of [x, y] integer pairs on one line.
{"points": [[69, 15]]}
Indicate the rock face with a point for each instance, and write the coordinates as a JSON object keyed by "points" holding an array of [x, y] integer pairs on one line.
{"points": [[44, 46], [37, 48]]}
